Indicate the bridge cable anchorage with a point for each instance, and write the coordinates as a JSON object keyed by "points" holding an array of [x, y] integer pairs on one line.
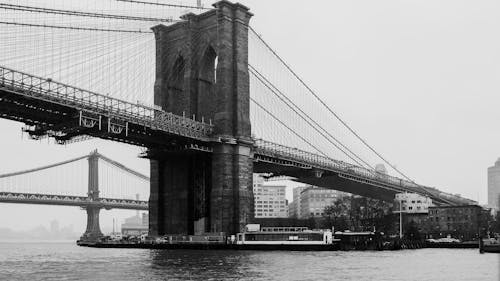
{"points": [[290, 129], [164, 4], [326, 106], [75, 28], [81, 14], [304, 116]]}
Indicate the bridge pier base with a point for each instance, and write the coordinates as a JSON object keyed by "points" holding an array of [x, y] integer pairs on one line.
{"points": [[93, 231], [231, 202], [196, 193], [179, 197]]}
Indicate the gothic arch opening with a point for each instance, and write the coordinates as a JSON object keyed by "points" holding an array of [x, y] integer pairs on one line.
{"points": [[208, 69], [176, 86], [207, 78]]}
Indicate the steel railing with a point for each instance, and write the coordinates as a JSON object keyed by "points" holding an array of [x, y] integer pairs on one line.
{"points": [[282, 152], [72, 200], [48, 90]]}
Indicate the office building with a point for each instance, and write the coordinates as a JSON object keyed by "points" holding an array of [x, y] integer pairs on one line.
{"points": [[270, 200], [461, 222], [494, 186], [313, 201], [294, 207]]}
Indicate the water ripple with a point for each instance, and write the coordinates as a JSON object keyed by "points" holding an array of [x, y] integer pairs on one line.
{"points": [[66, 261]]}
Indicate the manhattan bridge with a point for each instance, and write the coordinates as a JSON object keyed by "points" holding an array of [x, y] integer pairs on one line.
{"points": [[209, 100]]}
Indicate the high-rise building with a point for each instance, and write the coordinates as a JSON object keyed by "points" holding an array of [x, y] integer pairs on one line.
{"points": [[313, 201], [294, 207], [270, 200], [494, 186], [292, 210]]}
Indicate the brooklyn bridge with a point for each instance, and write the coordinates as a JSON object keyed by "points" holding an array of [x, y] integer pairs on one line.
{"points": [[224, 105]]}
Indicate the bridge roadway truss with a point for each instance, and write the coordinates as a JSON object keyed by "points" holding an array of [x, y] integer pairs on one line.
{"points": [[77, 201], [61, 111], [319, 170], [67, 113]]}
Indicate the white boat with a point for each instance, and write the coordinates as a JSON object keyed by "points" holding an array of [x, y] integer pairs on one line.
{"points": [[283, 236]]}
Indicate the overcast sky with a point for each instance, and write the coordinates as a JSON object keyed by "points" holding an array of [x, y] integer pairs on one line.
{"points": [[419, 80]]}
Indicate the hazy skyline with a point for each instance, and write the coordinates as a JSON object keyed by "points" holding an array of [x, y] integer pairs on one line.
{"points": [[418, 79]]}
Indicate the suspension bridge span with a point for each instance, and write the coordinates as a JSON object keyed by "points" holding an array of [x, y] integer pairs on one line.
{"points": [[226, 105], [106, 185]]}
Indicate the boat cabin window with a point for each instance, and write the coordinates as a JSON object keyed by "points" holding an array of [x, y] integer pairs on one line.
{"points": [[284, 237]]}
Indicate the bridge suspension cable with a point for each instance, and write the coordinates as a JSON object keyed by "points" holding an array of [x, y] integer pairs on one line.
{"points": [[164, 4], [311, 122], [80, 14], [106, 46], [74, 27], [119, 183], [124, 168], [70, 178], [286, 126], [43, 167], [67, 178], [322, 103]]}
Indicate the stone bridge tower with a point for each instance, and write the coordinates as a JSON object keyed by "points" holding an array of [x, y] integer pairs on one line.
{"points": [[202, 71], [93, 230]]}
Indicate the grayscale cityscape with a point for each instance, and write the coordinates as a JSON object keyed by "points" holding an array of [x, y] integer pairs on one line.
{"points": [[252, 140]]}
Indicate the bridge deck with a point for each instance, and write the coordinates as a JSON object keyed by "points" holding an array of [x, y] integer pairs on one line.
{"points": [[50, 105], [296, 161], [64, 112], [77, 201]]}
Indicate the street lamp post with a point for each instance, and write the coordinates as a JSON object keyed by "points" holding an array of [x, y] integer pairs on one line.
{"points": [[400, 219]]}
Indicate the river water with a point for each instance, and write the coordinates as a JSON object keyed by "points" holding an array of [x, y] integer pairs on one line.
{"points": [[66, 261]]}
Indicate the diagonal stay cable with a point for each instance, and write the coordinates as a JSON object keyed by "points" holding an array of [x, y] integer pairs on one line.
{"points": [[288, 127], [304, 116]]}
